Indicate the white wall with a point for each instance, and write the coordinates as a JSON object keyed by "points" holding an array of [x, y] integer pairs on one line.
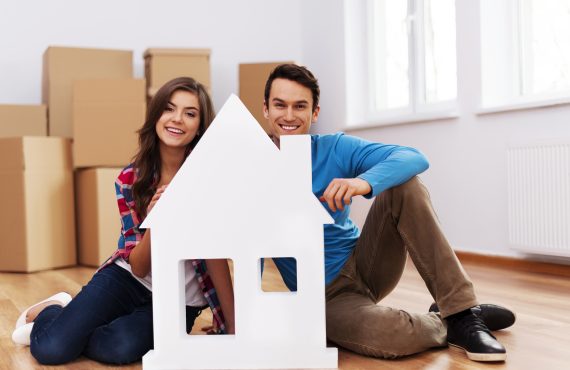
{"points": [[467, 178], [236, 31]]}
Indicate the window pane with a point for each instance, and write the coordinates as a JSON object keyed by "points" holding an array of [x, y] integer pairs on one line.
{"points": [[546, 64], [439, 45], [390, 54]]}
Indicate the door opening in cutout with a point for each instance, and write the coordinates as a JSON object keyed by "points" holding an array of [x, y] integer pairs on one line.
{"points": [[198, 314], [278, 274]]}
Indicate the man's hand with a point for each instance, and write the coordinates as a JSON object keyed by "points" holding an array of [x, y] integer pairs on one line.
{"points": [[340, 192], [155, 198]]}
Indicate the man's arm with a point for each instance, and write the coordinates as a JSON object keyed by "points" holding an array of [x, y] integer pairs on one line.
{"points": [[371, 169]]}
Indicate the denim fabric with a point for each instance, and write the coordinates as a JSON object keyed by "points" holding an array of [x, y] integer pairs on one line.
{"points": [[109, 321]]}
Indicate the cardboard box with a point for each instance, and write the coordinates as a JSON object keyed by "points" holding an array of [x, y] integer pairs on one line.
{"points": [[37, 220], [162, 65], [106, 117], [252, 78], [98, 218], [63, 65]]}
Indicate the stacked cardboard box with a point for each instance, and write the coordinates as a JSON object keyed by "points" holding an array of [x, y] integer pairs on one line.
{"points": [[252, 78], [98, 219], [162, 65], [23, 120], [63, 65], [93, 99], [37, 218], [106, 117]]}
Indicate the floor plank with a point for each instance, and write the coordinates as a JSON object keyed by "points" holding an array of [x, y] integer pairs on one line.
{"points": [[539, 339]]}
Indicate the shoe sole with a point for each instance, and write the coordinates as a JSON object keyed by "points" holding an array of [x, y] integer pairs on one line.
{"points": [[481, 357]]}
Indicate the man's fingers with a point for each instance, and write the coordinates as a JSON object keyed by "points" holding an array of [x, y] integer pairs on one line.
{"points": [[339, 193], [348, 196], [329, 194], [339, 196]]}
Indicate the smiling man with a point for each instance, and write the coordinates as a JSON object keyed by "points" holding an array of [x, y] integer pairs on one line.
{"points": [[361, 268]]}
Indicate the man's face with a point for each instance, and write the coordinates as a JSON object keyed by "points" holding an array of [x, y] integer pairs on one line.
{"points": [[289, 110]]}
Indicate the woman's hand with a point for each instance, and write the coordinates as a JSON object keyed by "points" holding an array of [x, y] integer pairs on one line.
{"points": [[155, 198]]}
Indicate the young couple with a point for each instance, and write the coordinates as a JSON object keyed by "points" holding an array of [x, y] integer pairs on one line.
{"points": [[110, 320]]}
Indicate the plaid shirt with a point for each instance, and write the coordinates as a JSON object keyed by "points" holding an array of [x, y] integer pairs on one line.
{"points": [[131, 235]]}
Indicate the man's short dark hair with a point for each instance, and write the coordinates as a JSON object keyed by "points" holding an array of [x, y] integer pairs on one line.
{"points": [[296, 73]]}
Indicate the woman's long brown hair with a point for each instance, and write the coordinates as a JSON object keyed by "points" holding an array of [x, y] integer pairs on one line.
{"points": [[147, 162]]}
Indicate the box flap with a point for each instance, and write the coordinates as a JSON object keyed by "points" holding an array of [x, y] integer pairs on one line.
{"points": [[174, 51]]}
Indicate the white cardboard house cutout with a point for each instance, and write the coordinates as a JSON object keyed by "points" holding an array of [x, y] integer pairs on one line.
{"points": [[238, 196]]}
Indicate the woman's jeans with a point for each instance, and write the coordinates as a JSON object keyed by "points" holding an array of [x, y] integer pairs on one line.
{"points": [[109, 321]]}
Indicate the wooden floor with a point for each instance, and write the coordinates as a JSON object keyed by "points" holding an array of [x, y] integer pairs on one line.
{"points": [[539, 340]]}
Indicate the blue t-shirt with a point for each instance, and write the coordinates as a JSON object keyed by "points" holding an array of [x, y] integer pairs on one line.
{"points": [[342, 156]]}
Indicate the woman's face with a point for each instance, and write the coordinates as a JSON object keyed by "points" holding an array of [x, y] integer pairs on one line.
{"points": [[180, 121]]}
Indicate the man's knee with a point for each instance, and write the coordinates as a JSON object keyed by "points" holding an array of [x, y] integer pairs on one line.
{"points": [[412, 187]]}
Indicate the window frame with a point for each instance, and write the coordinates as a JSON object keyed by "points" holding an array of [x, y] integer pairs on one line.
{"points": [[418, 109], [516, 56]]}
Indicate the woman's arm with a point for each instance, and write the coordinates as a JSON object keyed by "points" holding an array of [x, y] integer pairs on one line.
{"points": [[220, 274], [139, 259]]}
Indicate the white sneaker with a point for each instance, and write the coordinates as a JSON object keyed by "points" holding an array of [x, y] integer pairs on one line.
{"points": [[21, 334]]}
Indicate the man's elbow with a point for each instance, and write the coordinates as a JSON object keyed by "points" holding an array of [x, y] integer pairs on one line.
{"points": [[422, 162], [425, 164]]}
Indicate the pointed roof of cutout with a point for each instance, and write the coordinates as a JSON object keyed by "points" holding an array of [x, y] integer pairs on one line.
{"points": [[236, 167]]}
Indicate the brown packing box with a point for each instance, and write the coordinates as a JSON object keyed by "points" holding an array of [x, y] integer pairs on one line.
{"points": [[37, 221], [106, 116], [63, 65], [252, 78], [23, 120], [162, 65], [98, 218]]}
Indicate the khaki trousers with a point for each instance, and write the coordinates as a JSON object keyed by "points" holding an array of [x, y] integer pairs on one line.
{"points": [[401, 220]]}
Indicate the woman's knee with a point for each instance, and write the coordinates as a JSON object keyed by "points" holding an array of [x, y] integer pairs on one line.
{"points": [[121, 353], [53, 351], [118, 347]]}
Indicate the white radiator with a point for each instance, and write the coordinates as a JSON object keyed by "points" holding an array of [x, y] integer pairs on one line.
{"points": [[539, 198]]}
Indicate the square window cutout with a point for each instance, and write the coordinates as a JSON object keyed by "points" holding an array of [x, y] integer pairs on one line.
{"points": [[278, 274], [199, 319]]}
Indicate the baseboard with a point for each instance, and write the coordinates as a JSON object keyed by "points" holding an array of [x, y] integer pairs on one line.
{"points": [[514, 263]]}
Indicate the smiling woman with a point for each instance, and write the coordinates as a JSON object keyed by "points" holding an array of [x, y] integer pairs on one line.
{"points": [[110, 320], [180, 122]]}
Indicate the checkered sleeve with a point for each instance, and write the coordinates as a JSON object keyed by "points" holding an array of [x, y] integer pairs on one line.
{"points": [[209, 293], [131, 235]]}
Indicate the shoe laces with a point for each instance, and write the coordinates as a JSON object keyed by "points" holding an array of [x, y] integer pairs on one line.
{"points": [[470, 323]]}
